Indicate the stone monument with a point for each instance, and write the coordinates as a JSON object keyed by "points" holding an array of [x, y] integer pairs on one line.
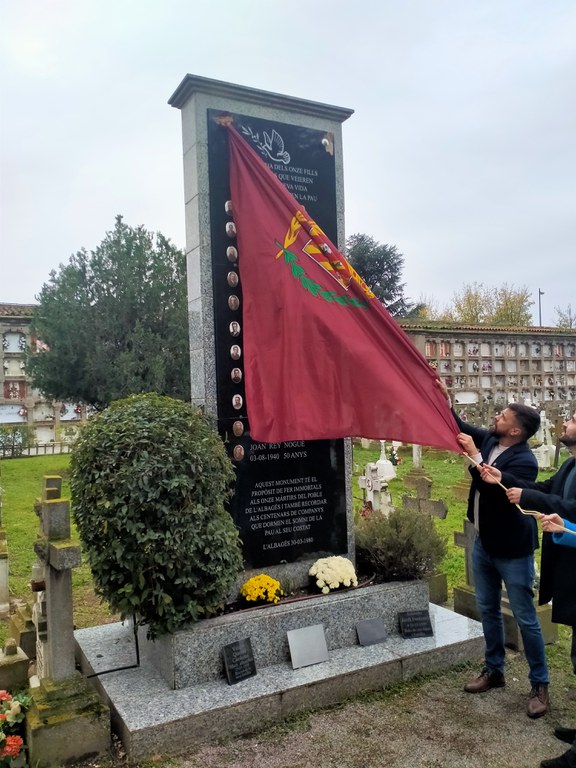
{"points": [[292, 501]]}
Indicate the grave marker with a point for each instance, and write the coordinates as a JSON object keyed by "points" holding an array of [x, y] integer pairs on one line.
{"points": [[415, 624], [307, 646], [239, 661]]}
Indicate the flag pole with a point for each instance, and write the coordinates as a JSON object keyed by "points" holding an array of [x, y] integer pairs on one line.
{"points": [[537, 515]]}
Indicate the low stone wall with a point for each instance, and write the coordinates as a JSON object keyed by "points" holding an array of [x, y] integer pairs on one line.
{"points": [[193, 655]]}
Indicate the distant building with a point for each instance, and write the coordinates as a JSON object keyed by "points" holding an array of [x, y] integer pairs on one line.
{"points": [[20, 403], [491, 365], [484, 366]]}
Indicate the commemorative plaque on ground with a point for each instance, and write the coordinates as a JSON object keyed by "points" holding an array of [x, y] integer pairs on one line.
{"points": [[290, 497], [371, 631], [238, 661], [415, 624], [307, 646]]}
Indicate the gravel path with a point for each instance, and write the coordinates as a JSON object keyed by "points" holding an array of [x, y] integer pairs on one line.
{"points": [[430, 724], [427, 723]]}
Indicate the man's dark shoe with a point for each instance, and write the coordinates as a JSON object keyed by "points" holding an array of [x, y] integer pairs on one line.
{"points": [[567, 760], [565, 734], [538, 701], [488, 678]]}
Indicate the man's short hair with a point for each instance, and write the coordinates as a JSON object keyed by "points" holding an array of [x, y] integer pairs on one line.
{"points": [[527, 417]]}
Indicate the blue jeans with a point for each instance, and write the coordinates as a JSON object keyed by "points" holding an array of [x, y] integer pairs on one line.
{"points": [[517, 573]]}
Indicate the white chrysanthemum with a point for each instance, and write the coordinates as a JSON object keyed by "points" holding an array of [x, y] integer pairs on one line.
{"points": [[333, 572]]}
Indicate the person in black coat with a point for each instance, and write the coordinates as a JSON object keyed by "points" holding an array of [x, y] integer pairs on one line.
{"points": [[563, 533], [555, 495], [504, 547]]}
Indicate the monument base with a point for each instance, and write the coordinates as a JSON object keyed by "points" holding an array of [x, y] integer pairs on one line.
{"points": [[67, 722], [193, 655], [465, 604], [152, 718]]}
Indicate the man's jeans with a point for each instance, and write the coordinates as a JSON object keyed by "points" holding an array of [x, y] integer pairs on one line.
{"points": [[518, 576]]}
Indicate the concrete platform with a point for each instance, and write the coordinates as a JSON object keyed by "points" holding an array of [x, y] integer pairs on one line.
{"points": [[151, 718]]}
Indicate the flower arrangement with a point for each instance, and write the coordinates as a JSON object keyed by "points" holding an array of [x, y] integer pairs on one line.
{"points": [[12, 713], [394, 458], [333, 573], [261, 589]]}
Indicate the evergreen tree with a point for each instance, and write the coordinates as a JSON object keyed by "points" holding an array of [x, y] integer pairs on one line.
{"points": [[114, 321]]}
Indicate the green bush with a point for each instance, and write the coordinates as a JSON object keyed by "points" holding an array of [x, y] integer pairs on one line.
{"points": [[149, 478], [402, 546]]}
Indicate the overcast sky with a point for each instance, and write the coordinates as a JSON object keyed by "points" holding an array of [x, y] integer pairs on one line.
{"points": [[461, 151]]}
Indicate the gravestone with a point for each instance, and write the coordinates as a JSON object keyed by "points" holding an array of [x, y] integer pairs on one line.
{"points": [[417, 456], [462, 487], [374, 482], [4, 585], [238, 661], [545, 451], [13, 667], [465, 599], [371, 631], [292, 501], [422, 501], [423, 504], [416, 471], [66, 720], [414, 624], [307, 646]]}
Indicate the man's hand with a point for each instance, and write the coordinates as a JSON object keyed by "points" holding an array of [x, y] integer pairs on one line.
{"points": [[551, 523], [443, 388], [467, 444], [490, 474], [514, 495]]}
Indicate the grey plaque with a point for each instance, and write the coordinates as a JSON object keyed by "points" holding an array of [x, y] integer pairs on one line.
{"points": [[307, 646], [371, 631], [238, 661]]}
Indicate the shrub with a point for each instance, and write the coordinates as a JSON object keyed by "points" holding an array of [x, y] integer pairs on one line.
{"points": [[149, 478], [402, 546]]}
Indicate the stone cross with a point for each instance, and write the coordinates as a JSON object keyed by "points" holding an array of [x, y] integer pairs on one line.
{"points": [[4, 588], [417, 456], [462, 487], [422, 502], [465, 539], [52, 611]]}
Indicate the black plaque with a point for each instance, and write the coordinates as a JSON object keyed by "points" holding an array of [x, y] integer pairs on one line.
{"points": [[238, 661], [415, 624], [289, 500], [371, 631]]}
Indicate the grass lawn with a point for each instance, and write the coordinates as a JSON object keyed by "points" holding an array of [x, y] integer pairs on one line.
{"points": [[21, 483], [21, 480]]}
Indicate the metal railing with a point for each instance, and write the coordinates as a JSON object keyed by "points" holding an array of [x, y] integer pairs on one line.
{"points": [[39, 449]]}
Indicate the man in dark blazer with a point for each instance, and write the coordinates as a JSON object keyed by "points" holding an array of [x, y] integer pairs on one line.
{"points": [[563, 533], [555, 495], [504, 547]]}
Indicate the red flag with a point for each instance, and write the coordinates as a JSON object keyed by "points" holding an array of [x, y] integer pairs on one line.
{"points": [[323, 358]]}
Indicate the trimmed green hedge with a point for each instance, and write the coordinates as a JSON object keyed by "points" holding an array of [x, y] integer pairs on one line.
{"points": [[149, 478]]}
